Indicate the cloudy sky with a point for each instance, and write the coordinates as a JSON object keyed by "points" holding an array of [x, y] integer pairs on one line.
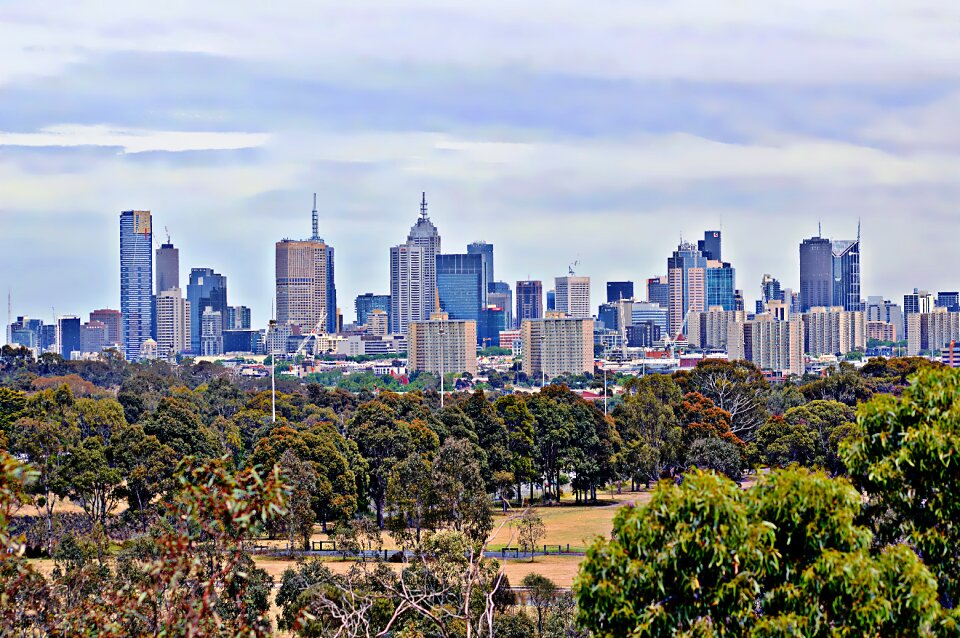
{"points": [[595, 131]]}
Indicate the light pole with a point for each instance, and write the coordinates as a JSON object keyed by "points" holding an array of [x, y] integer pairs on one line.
{"points": [[273, 378], [441, 365], [543, 368], [604, 392]]}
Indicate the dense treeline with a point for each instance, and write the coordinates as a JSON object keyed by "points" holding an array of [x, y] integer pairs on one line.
{"points": [[108, 437]]}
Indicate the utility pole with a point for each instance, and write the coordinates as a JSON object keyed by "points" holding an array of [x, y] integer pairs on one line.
{"points": [[604, 392], [441, 364]]}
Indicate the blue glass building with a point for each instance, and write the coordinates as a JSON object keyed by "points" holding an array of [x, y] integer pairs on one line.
{"points": [[721, 287], [206, 289], [460, 286], [136, 280], [367, 303], [617, 290], [485, 251]]}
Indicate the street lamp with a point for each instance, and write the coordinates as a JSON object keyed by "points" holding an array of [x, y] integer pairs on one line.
{"points": [[543, 368], [604, 392], [273, 376]]}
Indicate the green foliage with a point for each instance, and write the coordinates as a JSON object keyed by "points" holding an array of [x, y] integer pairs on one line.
{"points": [[737, 387], [704, 557], [530, 531], [903, 455], [718, 455]]}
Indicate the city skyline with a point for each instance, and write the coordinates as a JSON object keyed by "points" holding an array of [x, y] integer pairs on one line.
{"points": [[550, 155]]}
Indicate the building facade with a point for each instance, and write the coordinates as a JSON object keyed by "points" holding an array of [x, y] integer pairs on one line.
{"points": [[211, 332], [485, 251], [206, 289], [834, 331], [305, 289], [617, 290], [460, 285], [367, 303], [658, 291], [708, 330], [442, 345], [168, 268], [846, 274], [721, 285], [774, 346], [413, 274], [816, 273], [114, 323], [573, 296], [173, 323], [529, 300], [136, 280], [710, 245], [557, 345], [687, 280], [238, 318]]}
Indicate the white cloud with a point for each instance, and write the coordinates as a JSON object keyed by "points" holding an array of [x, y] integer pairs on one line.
{"points": [[134, 140]]}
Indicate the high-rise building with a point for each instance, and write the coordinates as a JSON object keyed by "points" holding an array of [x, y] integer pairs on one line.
{"points": [[557, 345], [442, 345], [833, 331], [644, 312], [709, 246], [485, 251], [413, 274], [173, 323], [207, 289], [93, 337], [246, 341], [551, 300], [774, 346], [211, 332], [816, 273], [687, 278], [238, 318], [136, 280], [68, 336], [881, 331], [846, 274], [113, 321], [500, 295], [608, 316], [168, 267], [658, 291], [617, 290], [573, 296], [948, 300], [367, 303], [931, 331], [27, 332], [708, 330], [306, 290], [460, 285], [721, 285], [529, 300], [770, 289], [378, 323], [493, 321]]}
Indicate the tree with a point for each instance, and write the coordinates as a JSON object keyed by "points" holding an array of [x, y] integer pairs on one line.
{"points": [[492, 435], [300, 479], [735, 386], [542, 593], [520, 425], [845, 386], [703, 558], [530, 531], [902, 455], [649, 428], [412, 499], [90, 481], [718, 455], [147, 467], [554, 434], [459, 491], [177, 424], [12, 404]]}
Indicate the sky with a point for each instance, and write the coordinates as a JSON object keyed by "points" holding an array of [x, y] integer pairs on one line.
{"points": [[559, 131]]}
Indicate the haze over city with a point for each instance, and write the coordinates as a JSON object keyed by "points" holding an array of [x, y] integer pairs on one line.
{"points": [[557, 135]]}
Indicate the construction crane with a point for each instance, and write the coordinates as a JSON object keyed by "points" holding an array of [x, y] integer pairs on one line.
{"points": [[570, 268], [318, 330]]}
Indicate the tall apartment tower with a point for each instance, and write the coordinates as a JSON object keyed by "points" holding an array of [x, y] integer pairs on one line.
{"points": [[413, 274], [442, 344], [485, 251], [573, 296], [136, 280], [168, 268], [687, 280], [529, 300], [173, 323], [557, 345], [816, 273], [207, 289]]}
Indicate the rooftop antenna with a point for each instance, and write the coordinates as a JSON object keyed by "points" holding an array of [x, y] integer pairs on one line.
{"points": [[166, 229], [316, 220], [423, 206], [858, 230], [9, 315], [819, 229]]}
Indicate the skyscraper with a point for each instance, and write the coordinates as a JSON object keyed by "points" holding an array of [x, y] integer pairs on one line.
{"points": [[207, 289], [413, 274], [816, 273], [846, 274], [136, 279], [658, 291], [529, 300], [68, 336], [211, 332], [306, 292], [500, 295], [238, 318], [770, 289], [617, 290], [573, 296], [112, 320], [460, 285], [687, 279], [710, 245], [948, 300], [721, 285], [367, 303], [485, 250], [168, 268]]}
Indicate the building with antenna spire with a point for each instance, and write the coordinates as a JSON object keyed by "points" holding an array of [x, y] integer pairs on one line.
{"points": [[306, 294], [413, 273]]}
